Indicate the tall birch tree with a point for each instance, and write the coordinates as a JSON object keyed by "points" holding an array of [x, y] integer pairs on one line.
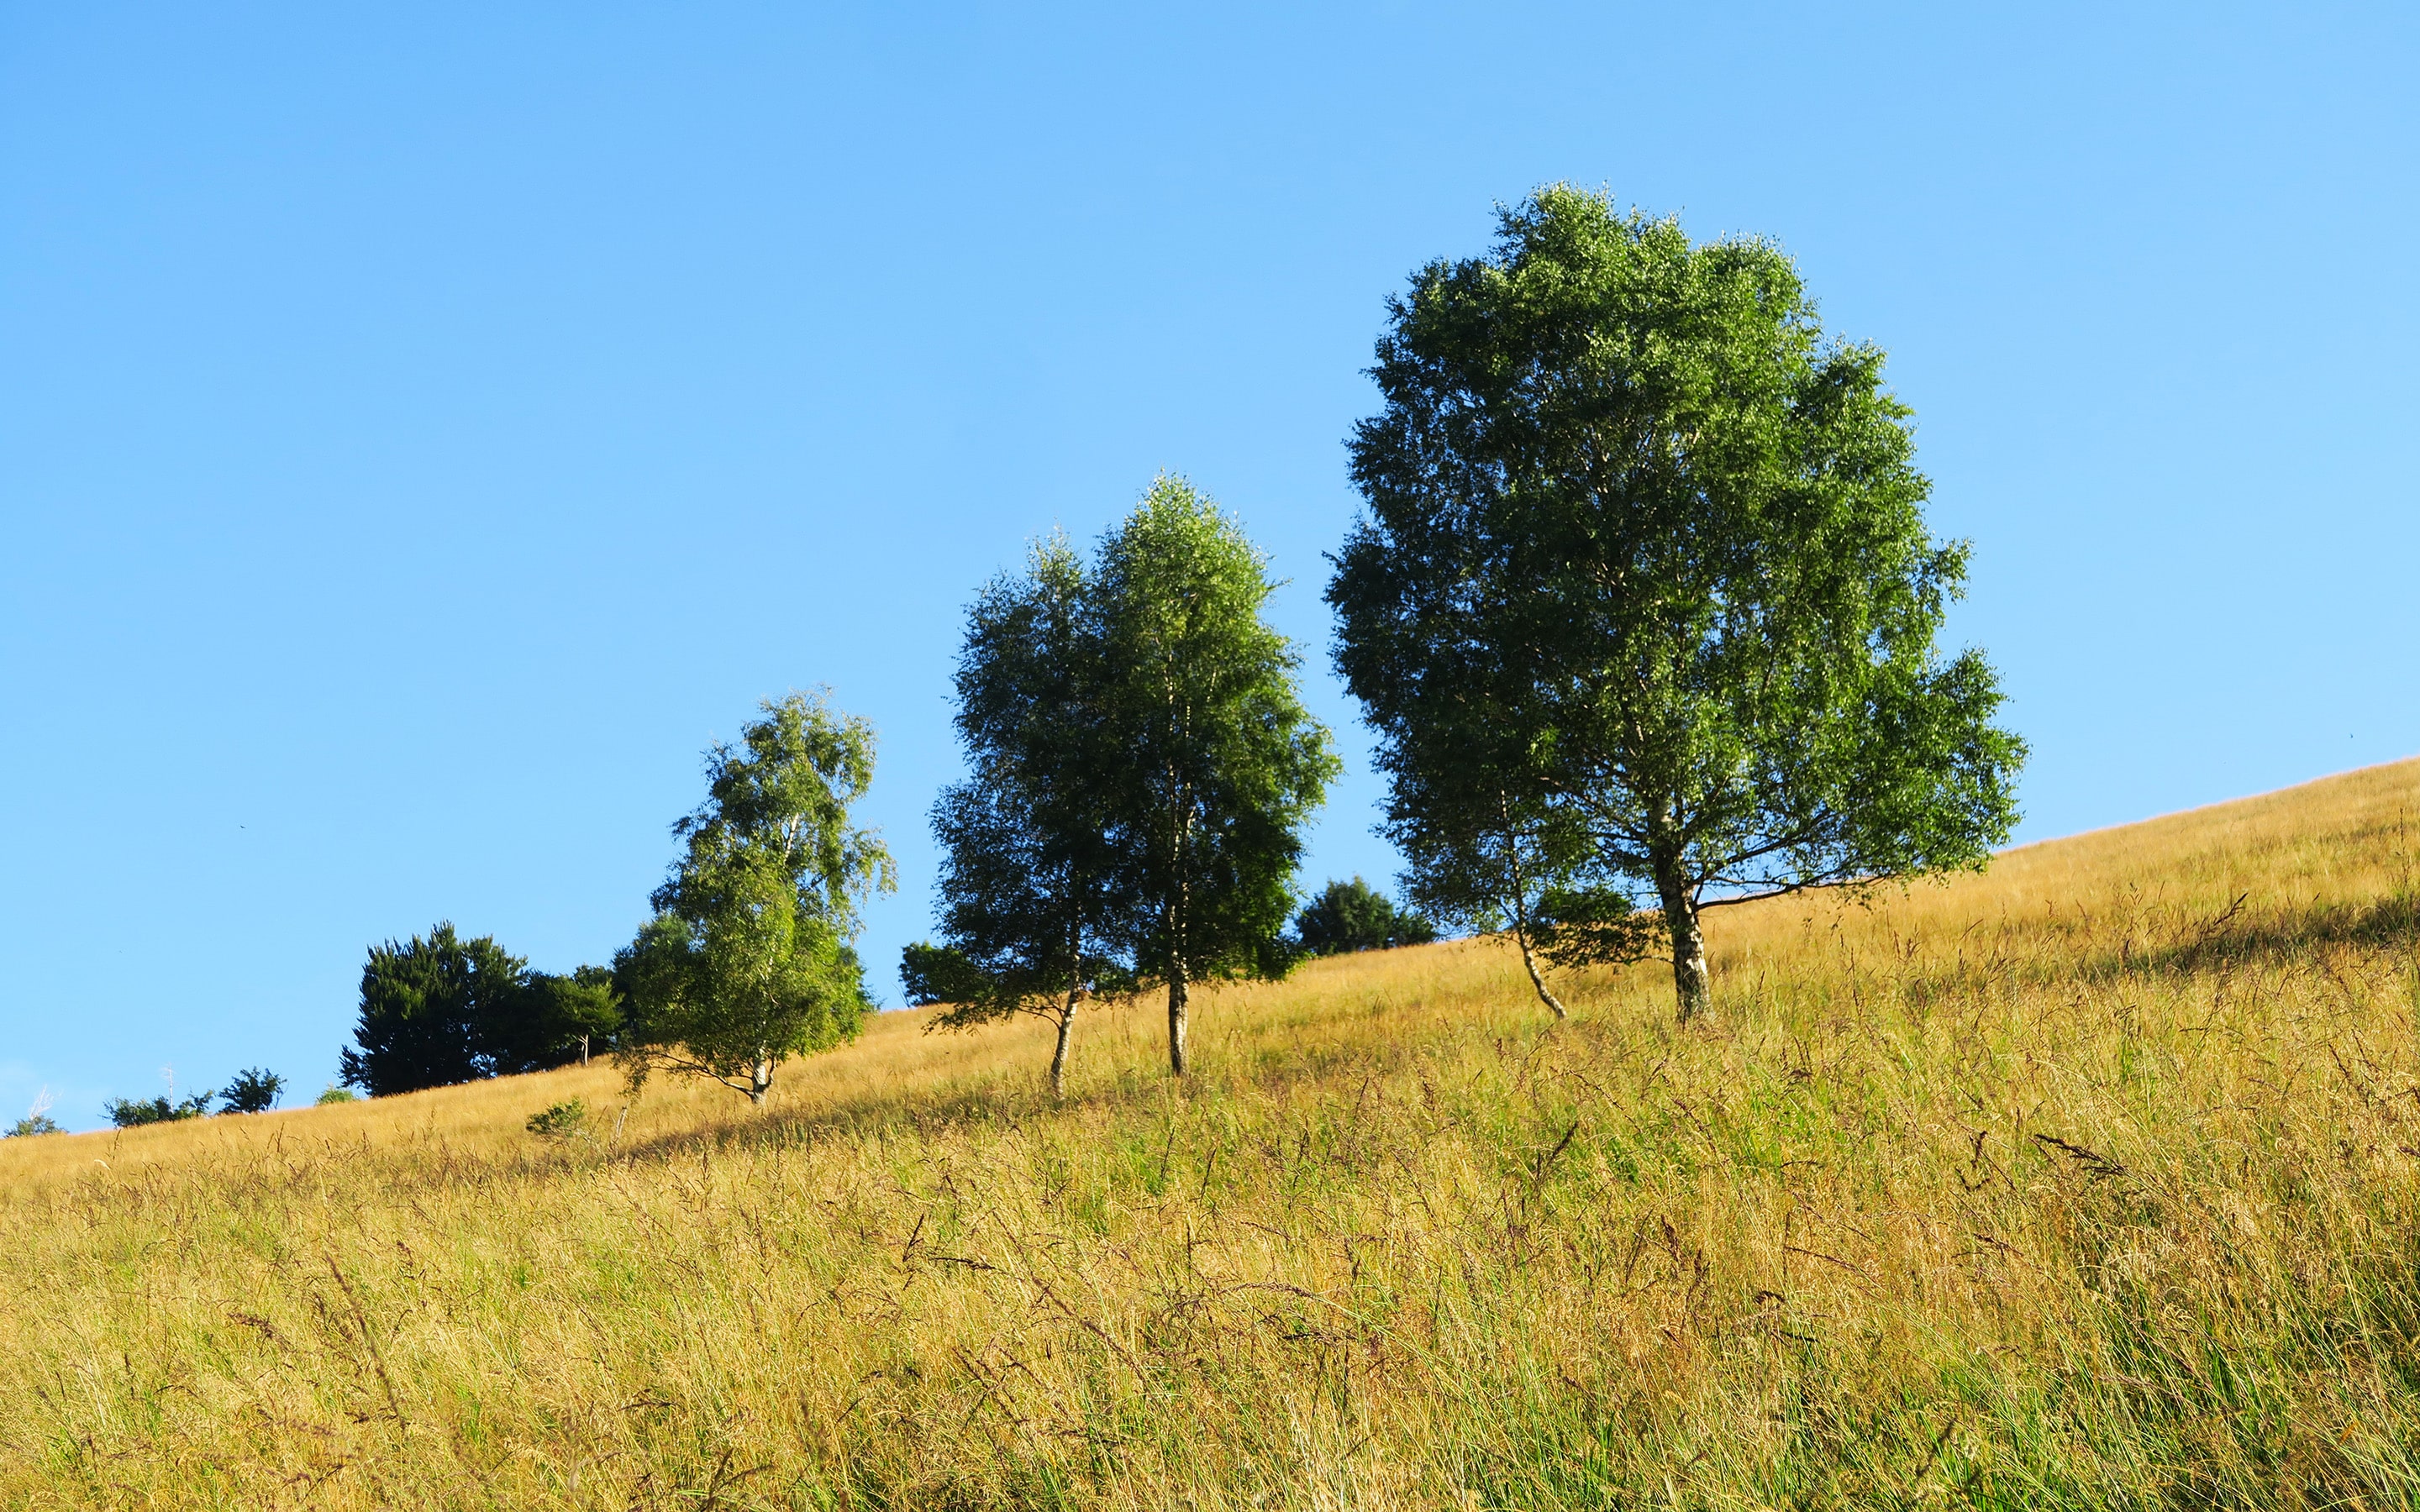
{"points": [[1219, 764], [1026, 908]]}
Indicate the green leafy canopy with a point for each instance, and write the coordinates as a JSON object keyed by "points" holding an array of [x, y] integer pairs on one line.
{"points": [[748, 960], [1643, 595], [1224, 766]]}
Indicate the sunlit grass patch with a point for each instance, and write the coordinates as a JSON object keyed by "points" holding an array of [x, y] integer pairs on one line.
{"points": [[2089, 1182]]}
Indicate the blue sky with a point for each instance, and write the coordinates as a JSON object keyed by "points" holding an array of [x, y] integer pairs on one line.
{"points": [[423, 430]]}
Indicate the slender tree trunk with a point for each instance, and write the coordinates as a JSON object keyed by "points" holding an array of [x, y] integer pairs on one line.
{"points": [[1665, 850], [1176, 1016], [760, 1080], [1529, 959], [1179, 915], [1688, 941], [1059, 1055], [1689, 983], [1521, 908]]}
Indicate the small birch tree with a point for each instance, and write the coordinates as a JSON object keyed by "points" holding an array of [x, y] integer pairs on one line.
{"points": [[748, 958]]}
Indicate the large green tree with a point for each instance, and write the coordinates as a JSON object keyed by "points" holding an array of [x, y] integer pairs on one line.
{"points": [[1028, 917], [1643, 582], [748, 960], [1220, 763]]}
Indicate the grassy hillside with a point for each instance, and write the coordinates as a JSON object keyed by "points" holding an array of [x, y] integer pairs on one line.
{"points": [[2088, 1182]]}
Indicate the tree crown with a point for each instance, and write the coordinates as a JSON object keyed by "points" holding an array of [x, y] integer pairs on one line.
{"points": [[748, 960], [1224, 763], [1643, 597]]}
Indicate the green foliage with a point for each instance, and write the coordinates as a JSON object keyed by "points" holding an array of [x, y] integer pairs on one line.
{"points": [[1355, 916], [748, 959], [1643, 607], [1585, 926], [442, 1009], [938, 974], [1220, 765], [333, 1094], [1028, 915], [562, 1016], [132, 1113], [561, 1120], [433, 1011], [38, 1119], [253, 1091]]}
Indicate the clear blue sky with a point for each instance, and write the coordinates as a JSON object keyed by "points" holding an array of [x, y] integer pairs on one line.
{"points": [[424, 428]]}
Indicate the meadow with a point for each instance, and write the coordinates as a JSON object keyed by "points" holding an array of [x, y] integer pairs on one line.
{"points": [[2092, 1180]]}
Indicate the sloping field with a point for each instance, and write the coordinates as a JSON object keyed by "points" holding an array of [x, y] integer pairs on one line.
{"points": [[2093, 1181]]}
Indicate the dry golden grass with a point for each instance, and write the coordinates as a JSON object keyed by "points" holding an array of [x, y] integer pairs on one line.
{"points": [[2086, 1182]]}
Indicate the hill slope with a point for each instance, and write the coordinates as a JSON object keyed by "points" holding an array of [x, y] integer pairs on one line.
{"points": [[2089, 1182]]}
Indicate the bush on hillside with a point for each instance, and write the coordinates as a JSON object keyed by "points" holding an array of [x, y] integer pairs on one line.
{"points": [[132, 1113], [564, 1121], [1355, 916]]}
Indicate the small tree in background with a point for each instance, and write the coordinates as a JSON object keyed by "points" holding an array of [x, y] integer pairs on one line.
{"points": [[1649, 551], [1220, 765], [748, 960], [38, 1119], [560, 1019], [1354, 915], [254, 1090], [1028, 918], [934, 973]]}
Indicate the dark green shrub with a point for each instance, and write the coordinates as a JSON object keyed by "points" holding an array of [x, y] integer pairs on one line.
{"points": [[132, 1113], [253, 1092], [564, 1121]]}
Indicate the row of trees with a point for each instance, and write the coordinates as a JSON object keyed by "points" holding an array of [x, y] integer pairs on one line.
{"points": [[1642, 607], [439, 1008], [1142, 770], [251, 1090]]}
